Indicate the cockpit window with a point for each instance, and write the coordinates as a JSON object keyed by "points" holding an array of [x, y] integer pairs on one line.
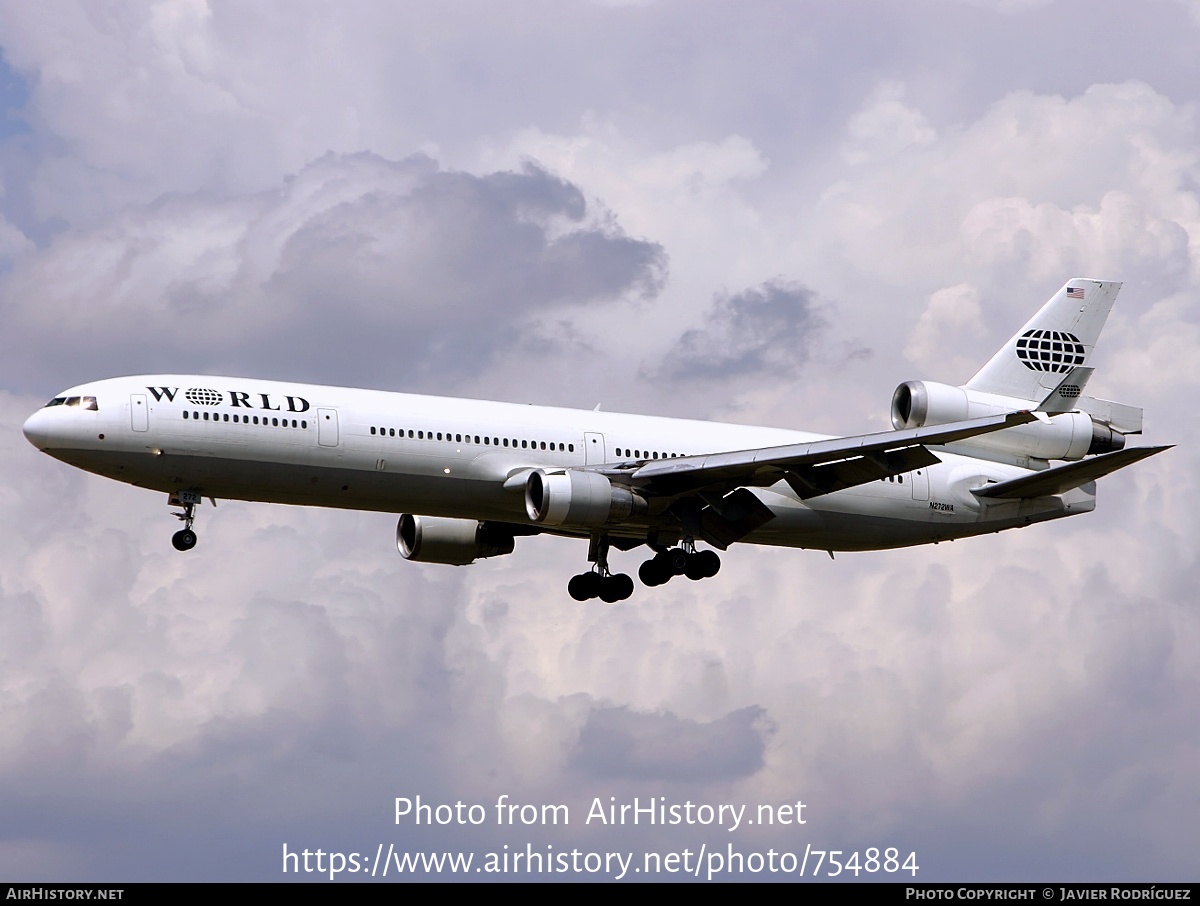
{"points": [[83, 402]]}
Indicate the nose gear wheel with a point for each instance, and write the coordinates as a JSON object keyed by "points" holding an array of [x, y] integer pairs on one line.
{"points": [[184, 539]]}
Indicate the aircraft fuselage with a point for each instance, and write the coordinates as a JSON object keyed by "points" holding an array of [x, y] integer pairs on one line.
{"points": [[249, 439]]}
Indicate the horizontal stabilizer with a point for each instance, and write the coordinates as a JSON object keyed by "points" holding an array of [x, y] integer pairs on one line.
{"points": [[1061, 479], [1123, 417]]}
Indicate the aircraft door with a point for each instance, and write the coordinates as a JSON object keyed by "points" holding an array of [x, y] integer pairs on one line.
{"points": [[139, 412], [327, 427], [919, 480], [593, 448]]}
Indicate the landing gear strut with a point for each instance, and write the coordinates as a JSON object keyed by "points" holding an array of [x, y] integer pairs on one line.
{"points": [[684, 560], [185, 538], [600, 582]]}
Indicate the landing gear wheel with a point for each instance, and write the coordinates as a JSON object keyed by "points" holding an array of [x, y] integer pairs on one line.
{"points": [[664, 566], [184, 539], [676, 560], [702, 565], [624, 584], [599, 582], [615, 588], [653, 572], [710, 563], [585, 586]]}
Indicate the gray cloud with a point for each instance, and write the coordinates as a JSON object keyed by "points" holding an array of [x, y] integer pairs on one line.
{"points": [[357, 270], [768, 329]]}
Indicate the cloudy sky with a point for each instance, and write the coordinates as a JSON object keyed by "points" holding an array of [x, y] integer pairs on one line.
{"points": [[768, 213]]}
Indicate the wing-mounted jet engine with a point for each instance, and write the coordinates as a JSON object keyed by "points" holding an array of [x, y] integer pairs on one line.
{"points": [[456, 542]]}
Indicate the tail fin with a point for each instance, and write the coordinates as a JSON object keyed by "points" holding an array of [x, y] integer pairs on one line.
{"points": [[1057, 341]]}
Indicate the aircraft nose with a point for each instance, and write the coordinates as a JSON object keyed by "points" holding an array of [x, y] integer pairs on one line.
{"points": [[36, 429]]}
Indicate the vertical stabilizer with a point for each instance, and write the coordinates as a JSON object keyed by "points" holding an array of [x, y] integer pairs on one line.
{"points": [[1057, 340]]}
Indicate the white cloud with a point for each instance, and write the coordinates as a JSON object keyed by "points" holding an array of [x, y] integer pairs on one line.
{"points": [[885, 127], [945, 339], [1104, 180]]}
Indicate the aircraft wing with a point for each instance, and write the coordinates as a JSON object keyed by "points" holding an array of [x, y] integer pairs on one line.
{"points": [[1063, 478], [811, 469]]}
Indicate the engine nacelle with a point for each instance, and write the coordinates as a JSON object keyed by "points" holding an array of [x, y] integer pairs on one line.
{"points": [[580, 498], [916, 404], [434, 539], [1069, 435]]}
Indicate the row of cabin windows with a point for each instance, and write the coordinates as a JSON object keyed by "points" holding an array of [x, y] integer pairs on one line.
{"points": [[514, 443], [467, 438], [247, 419], [645, 454]]}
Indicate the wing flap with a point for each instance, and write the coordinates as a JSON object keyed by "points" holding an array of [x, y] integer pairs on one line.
{"points": [[732, 518], [1061, 479], [813, 481]]}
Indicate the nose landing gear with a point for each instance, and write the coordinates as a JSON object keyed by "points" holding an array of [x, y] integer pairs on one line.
{"points": [[184, 539]]}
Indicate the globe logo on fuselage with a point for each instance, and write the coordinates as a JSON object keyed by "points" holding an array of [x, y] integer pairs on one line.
{"points": [[202, 396], [1050, 350]]}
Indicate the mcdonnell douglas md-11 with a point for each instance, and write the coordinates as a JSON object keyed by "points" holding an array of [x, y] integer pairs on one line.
{"points": [[1018, 443]]}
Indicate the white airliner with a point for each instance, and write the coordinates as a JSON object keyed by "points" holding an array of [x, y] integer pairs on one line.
{"points": [[470, 476]]}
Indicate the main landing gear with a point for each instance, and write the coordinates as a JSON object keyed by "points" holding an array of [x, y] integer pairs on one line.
{"points": [[185, 539], [599, 582], [679, 561], [667, 563]]}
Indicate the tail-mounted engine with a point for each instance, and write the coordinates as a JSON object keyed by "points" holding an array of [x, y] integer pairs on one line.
{"points": [[574, 497], [434, 539], [1068, 435]]}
